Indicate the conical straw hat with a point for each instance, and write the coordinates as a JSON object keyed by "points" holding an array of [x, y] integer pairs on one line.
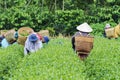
{"points": [[84, 27]]}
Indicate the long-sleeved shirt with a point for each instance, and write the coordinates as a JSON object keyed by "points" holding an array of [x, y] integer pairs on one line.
{"points": [[32, 47]]}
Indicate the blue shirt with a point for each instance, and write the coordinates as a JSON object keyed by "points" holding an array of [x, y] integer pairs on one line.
{"points": [[4, 43]]}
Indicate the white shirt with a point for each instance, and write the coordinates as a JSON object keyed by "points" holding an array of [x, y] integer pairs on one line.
{"points": [[32, 47]]}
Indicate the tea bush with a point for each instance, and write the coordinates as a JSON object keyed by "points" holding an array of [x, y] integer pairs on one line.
{"points": [[103, 63], [9, 58], [50, 63], [57, 61]]}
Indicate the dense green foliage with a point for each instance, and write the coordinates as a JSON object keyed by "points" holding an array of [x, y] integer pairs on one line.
{"points": [[57, 61], [9, 58], [58, 16]]}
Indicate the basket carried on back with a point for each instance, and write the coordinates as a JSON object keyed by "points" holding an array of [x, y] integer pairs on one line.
{"points": [[43, 32], [110, 32], [23, 32], [9, 35], [21, 40], [2, 32], [117, 30], [84, 44]]}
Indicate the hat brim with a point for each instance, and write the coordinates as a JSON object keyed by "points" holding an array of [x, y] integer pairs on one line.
{"points": [[33, 40], [84, 28]]}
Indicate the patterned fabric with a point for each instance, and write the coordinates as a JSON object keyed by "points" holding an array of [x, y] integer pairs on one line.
{"points": [[32, 46]]}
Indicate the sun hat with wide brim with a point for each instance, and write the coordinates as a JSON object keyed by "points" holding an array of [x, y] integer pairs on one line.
{"points": [[84, 27], [33, 38]]}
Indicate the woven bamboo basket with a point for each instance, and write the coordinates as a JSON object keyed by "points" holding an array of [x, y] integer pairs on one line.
{"points": [[84, 44], [9, 35], [117, 29], [21, 40], [3, 32], [44, 32], [110, 32], [25, 31]]}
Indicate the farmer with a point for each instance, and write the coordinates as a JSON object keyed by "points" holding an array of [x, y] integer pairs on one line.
{"points": [[83, 30], [45, 39], [9, 39], [32, 44], [107, 26]]}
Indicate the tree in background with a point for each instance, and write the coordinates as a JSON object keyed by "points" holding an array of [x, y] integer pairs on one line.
{"points": [[61, 15]]}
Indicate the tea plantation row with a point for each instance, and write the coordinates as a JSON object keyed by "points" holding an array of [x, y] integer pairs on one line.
{"points": [[57, 61]]}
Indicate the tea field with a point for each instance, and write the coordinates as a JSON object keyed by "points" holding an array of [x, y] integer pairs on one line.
{"points": [[57, 61]]}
